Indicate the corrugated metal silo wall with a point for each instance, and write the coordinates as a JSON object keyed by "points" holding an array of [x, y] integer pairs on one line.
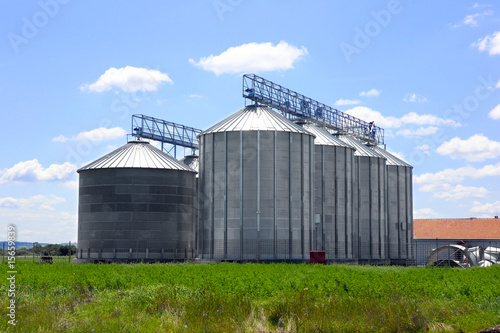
{"points": [[399, 211], [136, 213], [334, 181], [255, 192], [370, 218]]}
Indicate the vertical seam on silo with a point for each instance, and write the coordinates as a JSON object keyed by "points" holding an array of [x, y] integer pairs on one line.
{"points": [[312, 152], [356, 184], [379, 220], [302, 195], [258, 194], [241, 194], [323, 196], [348, 210], [225, 194], [336, 203], [386, 210], [381, 212], [346, 218], [290, 197], [201, 188], [409, 214], [213, 199], [388, 198], [275, 194], [399, 255]]}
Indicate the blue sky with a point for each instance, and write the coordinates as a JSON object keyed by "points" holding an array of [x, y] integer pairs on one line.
{"points": [[73, 73]]}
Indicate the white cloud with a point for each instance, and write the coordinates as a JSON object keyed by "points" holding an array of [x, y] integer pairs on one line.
{"points": [[424, 147], [72, 184], [477, 148], [495, 113], [414, 98], [195, 96], [446, 191], [155, 143], [129, 79], [251, 58], [370, 93], [427, 119], [98, 134], [399, 155], [346, 102], [415, 133], [477, 5], [490, 43], [458, 175], [424, 213], [37, 201], [32, 171], [368, 114], [472, 19], [492, 208], [46, 224], [498, 85]]}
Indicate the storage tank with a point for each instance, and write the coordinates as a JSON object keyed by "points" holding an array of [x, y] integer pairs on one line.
{"points": [[193, 162], [136, 203], [399, 206], [370, 223], [256, 188], [333, 185]]}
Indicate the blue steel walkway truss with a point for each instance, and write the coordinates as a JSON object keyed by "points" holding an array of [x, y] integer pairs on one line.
{"points": [[299, 107], [166, 132]]}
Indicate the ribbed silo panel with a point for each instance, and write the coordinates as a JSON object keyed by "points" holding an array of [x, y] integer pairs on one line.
{"points": [[267, 183], [234, 195]]}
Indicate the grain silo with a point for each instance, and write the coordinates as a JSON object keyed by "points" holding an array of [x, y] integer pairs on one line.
{"points": [[256, 188], [399, 207], [370, 223], [136, 203], [333, 204], [193, 162]]}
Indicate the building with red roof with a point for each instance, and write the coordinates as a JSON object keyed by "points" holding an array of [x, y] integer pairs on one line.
{"points": [[433, 233]]}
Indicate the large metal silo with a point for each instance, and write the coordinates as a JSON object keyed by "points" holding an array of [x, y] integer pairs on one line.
{"points": [[193, 162], [255, 188], [136, 203], [333, 204], [370, 222], [399, 206]]}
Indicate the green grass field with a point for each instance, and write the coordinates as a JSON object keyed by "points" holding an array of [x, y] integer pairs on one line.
{"points": [[250, 298]]}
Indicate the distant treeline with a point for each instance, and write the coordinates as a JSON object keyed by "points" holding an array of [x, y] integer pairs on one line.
{"points": [[47, 250]]}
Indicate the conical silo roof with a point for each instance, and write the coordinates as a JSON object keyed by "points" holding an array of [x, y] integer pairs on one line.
{"points": [[256, 118], [361, 149], [391, 159], [137, 154], [323, 137], [191, 161]]}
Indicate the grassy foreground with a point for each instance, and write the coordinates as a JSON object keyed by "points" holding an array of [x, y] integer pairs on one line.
{"points": [[250, 298]]}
